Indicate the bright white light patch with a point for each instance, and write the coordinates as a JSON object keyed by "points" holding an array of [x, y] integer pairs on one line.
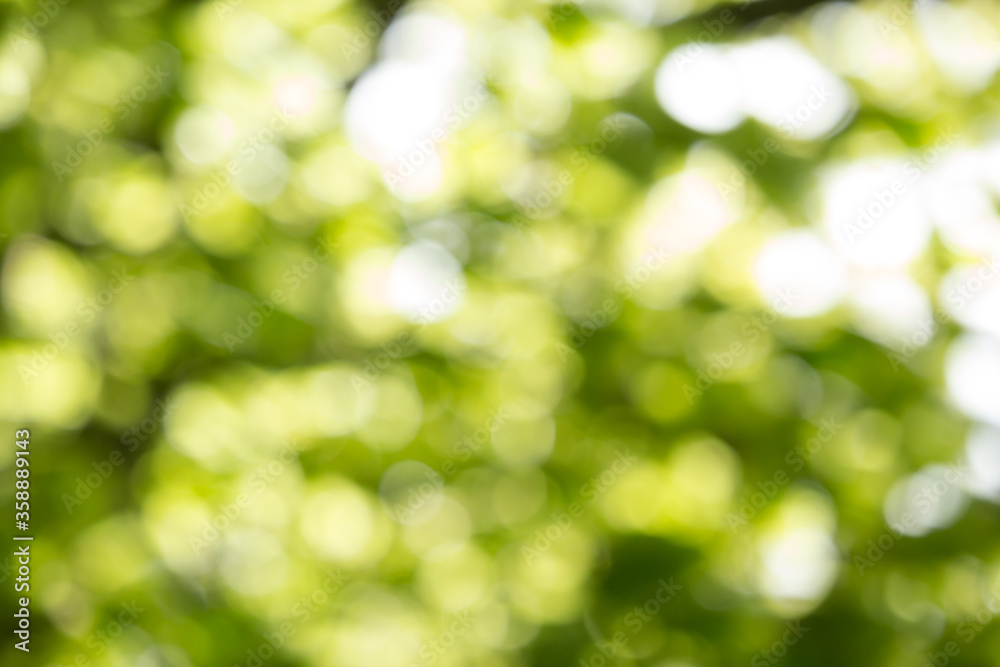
{"points": [[888, 308], [394, 106], [786, 88], [297, 95], [971, 295], [699, 86], [861, 46], [972, 372], [873, 215], [928, 500], [431, 40], [958, 195], [799, 564], [982, 452], [798, 268], [963, 43], [990, 167], [687, 211], [425, 283]]}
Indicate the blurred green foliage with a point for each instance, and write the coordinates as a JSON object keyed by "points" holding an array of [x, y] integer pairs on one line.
{"points": [[467, 351]]}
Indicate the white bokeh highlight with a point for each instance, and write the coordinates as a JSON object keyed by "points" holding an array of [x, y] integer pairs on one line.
{"points": [[930, 499], [972, 375], [873, 213], [701, 91], [712, 89], [798, 267], [982, 454], [889, 307], [425, 283]]}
